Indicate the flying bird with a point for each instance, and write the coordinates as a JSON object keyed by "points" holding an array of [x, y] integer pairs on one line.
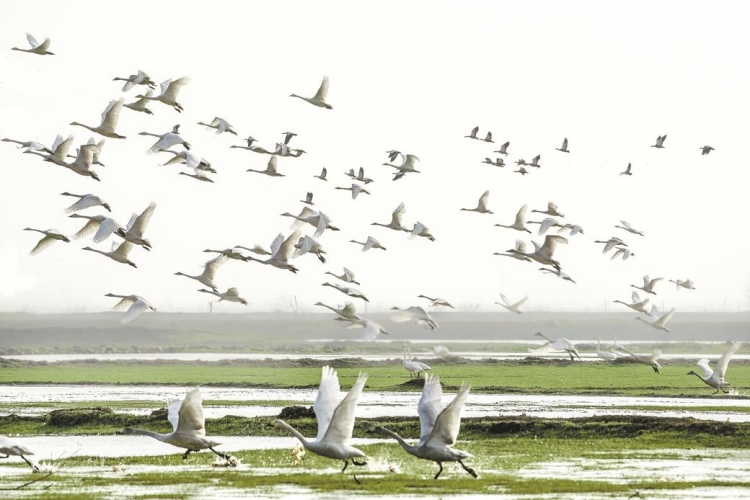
{"points": [[231, 295], [85, 201], [564, 147], [706, 149], [141, 78], [627, 170], [514, 308], [561, 344], [50, 236], [208, 275], [319, 99], [370, 243], [10, 447], [660, 141], [520, 223], [138, 305], [169, 91], [482, 205], [503, 149], [715, 378], [36, 47]]}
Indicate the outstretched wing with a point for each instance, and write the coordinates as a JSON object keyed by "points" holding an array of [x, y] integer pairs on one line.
{"points": [[721, 366], [342, 423], [430, 406], [191, 420], [447, 424], [703, 364], [325, 403], [323, 90]]}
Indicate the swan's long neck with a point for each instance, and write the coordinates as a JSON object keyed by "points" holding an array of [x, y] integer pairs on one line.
{"points": [[97, 251], [144, 432], [406, 446], [540, 333], [293, 431], [84, 126], [698, 375]]}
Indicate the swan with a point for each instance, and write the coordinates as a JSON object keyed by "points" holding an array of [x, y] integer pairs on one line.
{"points": [[255, 149], [270, 168], [355, 189], [30, 145], [416, 314], [395, 222], [220, 124], [611, 243], [141, 78], [534, 162], [559, 274], [137, 226], [308, 244], [335, 420], [10, 447], [499, 162], [110, 117], [281, 252], [622, 252], [442, 351], [439, 427], [372, 328], [169, 90], [351, 292], [648, 285], [561, 344], [188, 426], [644, 359], [141, 105], [288, 136], [58, 152], [503, 149], [318, 220], [627, 227], [85, 201], [706, 149], [138, 305], [96, 150], [473, 133], [715, 378], [284, 150], [166, 141], [50, 236], [104, 227], [36, 47], [437, 301], [208, 275], [198, 174], [308, 199], [190, 159], [347, 277], [361, 176], [520, 223], [348, 312], [564, 147], [229, 253], [231, 295], [551, 210], [514, 308], [407, 166], [319, 99], [411, 366], [659, 322], [482, 205], [82, 164], [488, 137], [544, 225], [605, 355], [257, 249], [660, 141], [683, 284], [323, 174], [518, 252], [627, 171], [119, 253], [637, 304], [420, 230], [370, 243], [543, 254], [572, 229], [521, 171]]}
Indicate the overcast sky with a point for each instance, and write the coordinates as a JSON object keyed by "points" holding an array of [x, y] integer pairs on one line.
{"points": [[411, 76]]}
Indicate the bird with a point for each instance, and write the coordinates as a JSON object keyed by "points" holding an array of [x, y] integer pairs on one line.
{"points": [[10, 447], [683, 284], [85, 201], [318, 220], [551, 210], [627, 227], [535, 161], [104, 227], [407, 166], [308, 199], [514, 308], [138, 305], [57, 153], [370, 243], [437, 301], [521, 171], [110, 117], [439, 427], [137, 226], [347, 277], [413, 367], [281, 252], [473, 133], [442, 351], [119, 253], [348, 312], [361, 176], [335, 420], [355, 189], [190, 159], [622, 252], [95, 149], [660, 141], [308, 244], [520, 223], [564, 147], [288, 136], [231, 295], [636, 304], [256, 249], [572, 229], [220, 124], [50, 236], [31, 145], [706, 149], [169, 90], [503, 149], [323, 174], [319, 99], [284, 150], [648, 285], [715, 378], [420, 230], [605, 355], [611, 243], [482, 205], [499, 162], [188, 426], [141, 105], [228, 252], [660, 321], [208, 275], [141, 78], [82, 164], [518, 252], [372, 328], [488, 137], [198, 174], [543, 254], [351, 292], [650, 360], [166, 141], [395, 222], [36, 47], [270, 168], [545, 224], [627, 171], [416, 314], [255, 149], [559, 274], [561, 344]]}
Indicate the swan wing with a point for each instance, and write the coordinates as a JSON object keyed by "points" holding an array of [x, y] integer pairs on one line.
{"points": [[448, 423], [191, 420], [430, 406], [325, 402], [703, 364], [276, 244], [342, 423], [32, 41], [141, 222], [111, 114], [521, 216], [135, 310], [721, 365], [106, 228], [323, 90]]}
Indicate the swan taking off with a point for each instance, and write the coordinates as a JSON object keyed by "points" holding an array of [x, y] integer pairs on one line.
{"points": [[561, 344], [644, 359], [137, 226], [372, 328], [319, 99], [660, 141], [605, 355], [648, 284], [10, 447], [138, 305], [520, 223], [36, 47], [110, 117], [439, 427], [348, 312], [169, 90], [188, 427], [50, 236], [141, 78], [416, 314], [85, 201], [231, 295], [514, 308], [209, 272], [370, 243], [437, 301], [482, 205], [335, 420], [715, 378]]}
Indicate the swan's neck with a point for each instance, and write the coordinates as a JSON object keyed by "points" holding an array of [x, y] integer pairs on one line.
{"points": [[406, 446], [144, 432], [294, 432]]}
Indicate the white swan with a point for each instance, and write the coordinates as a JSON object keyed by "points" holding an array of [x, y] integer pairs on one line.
{"points": [[198, 174], [572, 229], [481, 205], [551, 210], [544, 253], [611, 243], [282, 251], [439, 427], [136, 227], [605, 355], [622, 252], [372, 328], [319, 99], [416, 314], [545, 224], [659, 322], [564, 147], [104, 227], [308, 199], [10, 447], [503, 149], [473, 133], [648, 284], [30, 145], [351, 292], [335, 420], [323, 174], [138, 305], [514, 308], [220, 125], [231, 295], [396, 218], [637, 304], [166, 141], [561, 344], [413, 367], [715, 378], [627, 227], [645, 359], [110, 117], [50, 236], [308, 244], [256, 249], [687, 284], [408, 164], [270, 168], [437, 301], [119, 253], [141, 78], [255, 149], [558, 273], [208, 275], [660, 141], [356, 189], [169, 90], [518, 252], [36, 47], [520, 222], [57, 153], [141, 105], [420, 230], [318, 220], [347, 277], [85, 201], [370, 243], [348, 312]]}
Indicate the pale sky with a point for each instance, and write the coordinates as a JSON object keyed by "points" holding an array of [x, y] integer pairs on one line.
{"points": [[411, 76]]}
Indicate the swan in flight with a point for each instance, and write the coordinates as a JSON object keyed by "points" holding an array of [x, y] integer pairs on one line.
{"points": [[220, 125], [482, 205], [104, 227], [514, 308], [95, 149], [57, 153], [85, 201], [637, 304], [208, 275], [396, 218], [473, 133], [644, 359], [439, 427], [544, 253], [323, 174], [421, 230], [141, 105], [683, 284], [715, 378], [351, 292], [413, 367], [281, 252], [622, 252], [288, 136], [188, 426], [605, 355], [82, 164], [355, 189], [407, 166], [137, 226], [190, 159], [520, 223], [141, 78], [499, 162], [110, 117], [10, 447], [648, 284], [169, 90], [370, 243], [660, 321], [572, 229], [199, 174], [231, 295], [660, 141], [50, 236], [308, 244], [348, 312], [437, 301], [561, 344], [551, 210], [564, 147], [706, 149], [138, 305], [318, 220], [36, 47], [308, 199], [518, 252], [119, 253], [611, 243], [442, 351], [255, 149], [30, 145], [256, 249], [229, 253], [335, 420], [559, 274], [416, 314], [372, 328], [544, 225], [347, 277], [521, 171], [270, 168], [627, 227], [319, 99], [503, 149], [361, 176], [166, 141], [627, 171]]}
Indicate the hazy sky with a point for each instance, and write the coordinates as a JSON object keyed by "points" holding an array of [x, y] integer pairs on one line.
{"points": [[412, 76]]}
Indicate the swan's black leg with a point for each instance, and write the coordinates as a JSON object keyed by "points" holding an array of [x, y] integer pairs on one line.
{"points": [[346, 464], [440, 464], [469, 470], [222, 455], [184, 457]]}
